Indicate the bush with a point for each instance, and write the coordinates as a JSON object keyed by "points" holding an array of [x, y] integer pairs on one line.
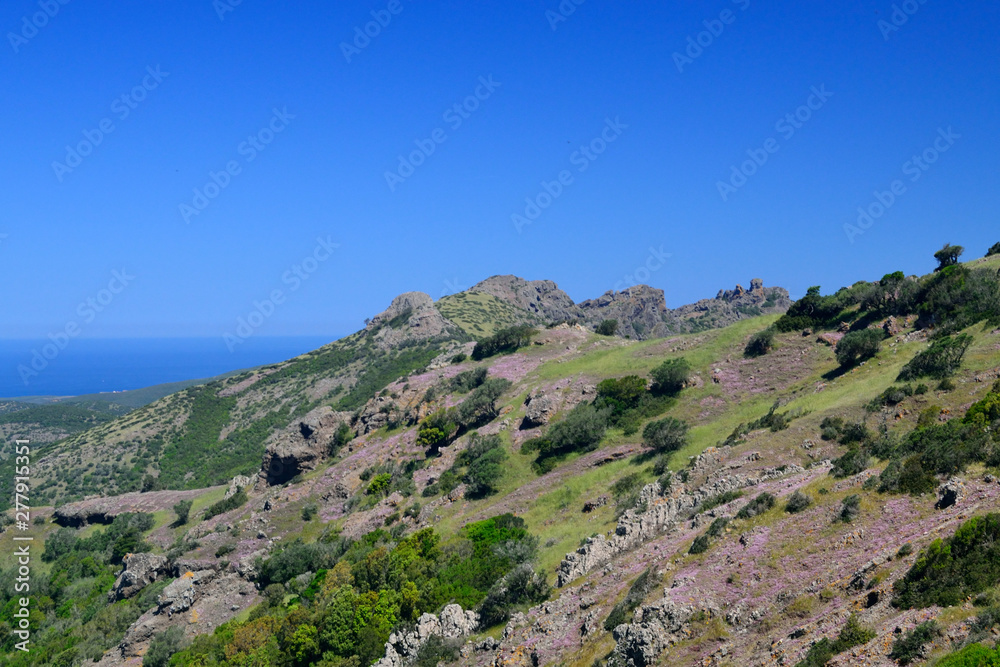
{"points": [[234, 501], [940, 361], [484, 459], [851, 635], [906, 476], [183, 511], [343, 435], [520, 586], [721, 499], [718, 527], [640, 588], [974, 655], [797, 502], [700, 545], [163, 646], [481, 405], [857, 346], [756, 507], [855, 461], [459, 358], [951, 570], [466, 381], [581, 430], [850, 508], [891, 397], [607, 328], [436, 650], [504, 341], [666, 435], [671, 376], [759, 344], [910, 646], [309, 512], [994, 250]]}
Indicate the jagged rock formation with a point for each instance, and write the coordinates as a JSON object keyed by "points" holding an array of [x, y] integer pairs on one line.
{"points": [[652, 515], [453, 622], [641, 311], [538, 409], [656, 627]]}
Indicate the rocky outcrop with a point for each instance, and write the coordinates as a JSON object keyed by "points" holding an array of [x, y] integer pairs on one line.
{"points": [[104, 510], [300, 447], [410, 317], [452, 623], [653, 515], [538, 409], [655, 627], [237, 483], [950, 493], [542, 298], [180, 594], [140, 571]]}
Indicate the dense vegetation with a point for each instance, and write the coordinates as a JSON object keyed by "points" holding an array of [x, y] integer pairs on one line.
{"points": [[503, 342], [361, 591]]}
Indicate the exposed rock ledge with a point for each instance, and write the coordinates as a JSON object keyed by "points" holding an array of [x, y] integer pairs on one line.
{"points": [[402, 648], [653, 515]]}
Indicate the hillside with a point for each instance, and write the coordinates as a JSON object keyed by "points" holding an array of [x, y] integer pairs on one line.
{"points": [[486, 480]]}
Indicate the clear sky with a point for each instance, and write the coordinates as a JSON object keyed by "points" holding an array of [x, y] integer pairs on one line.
{"points": [[201, 79]]}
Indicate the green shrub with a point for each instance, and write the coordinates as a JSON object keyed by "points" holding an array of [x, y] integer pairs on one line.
{"points": [[762, 503], [797, 502], [855, 461], [224, 549], [182, 510], [994, 250], [907, 476], [941, 360], [481, 405], [721, 499], [666, 435], [974, 655], [951, 570], [910, 646], [309, 512], [503, 342], [437, 650], [718, 527], [484, 459], [607, 328], [640, 588], [234, 501], [670, 377], [850, 508], [379, 484], [700, 545], [851, 635], [760, 343], [521, 586], [857, 346], [466, 381], [459, 358], [163, 646], [891, 397], [581, 430]]}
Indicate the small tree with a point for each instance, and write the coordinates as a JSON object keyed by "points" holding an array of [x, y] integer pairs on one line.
{"points": [[760, 343], [666, 435], [858, 346], [607, 328], [797, 502], [182, 510], [994, 250], [671, 376], [163, 646], [948, 256], [849, 508]]}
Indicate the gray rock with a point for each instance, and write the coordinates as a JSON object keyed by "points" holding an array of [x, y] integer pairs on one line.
{"points": [[538, 409], [950, 493], [140, 571]]}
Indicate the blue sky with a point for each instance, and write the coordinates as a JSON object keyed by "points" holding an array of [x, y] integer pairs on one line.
{"points": [[447, 225]]}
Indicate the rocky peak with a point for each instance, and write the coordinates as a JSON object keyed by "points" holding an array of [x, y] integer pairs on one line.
{"points": [[410, 317]]}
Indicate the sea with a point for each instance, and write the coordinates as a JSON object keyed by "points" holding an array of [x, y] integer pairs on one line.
{"points": [[103, 365]]}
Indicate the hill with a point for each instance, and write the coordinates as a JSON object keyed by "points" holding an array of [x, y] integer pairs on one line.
{"points": [[764, 493]]}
